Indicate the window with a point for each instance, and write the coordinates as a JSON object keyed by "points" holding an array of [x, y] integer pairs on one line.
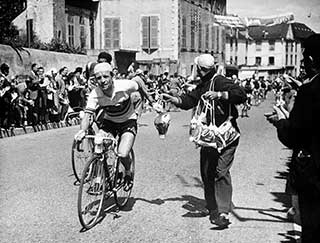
{"points": [[271, 60], [236, 47], [246, 60], [231, 44], [218, 39], [291, 60], [231, 60], [286, 59], [258, 61], [111, 33], [247, 44], [82, 32], [213, 30], [287, 46], [82, 36], [291, 45], [200, 37], [295, 59], [258, 45], [192, 33], [236, 60], [207, 37], [184, 33], [271, 45], [71, 30], [296, 47], [29, 31]]}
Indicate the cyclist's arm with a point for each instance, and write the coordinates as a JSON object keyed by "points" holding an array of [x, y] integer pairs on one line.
{"points": [[90, 109], [142, 88], [85, 123]]}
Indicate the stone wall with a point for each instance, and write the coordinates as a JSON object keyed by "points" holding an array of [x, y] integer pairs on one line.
{"points": [[47, 59]]}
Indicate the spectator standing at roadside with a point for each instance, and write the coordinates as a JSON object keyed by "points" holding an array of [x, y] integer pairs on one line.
{"points": [[62, 92], [42, 99], [5, 86], [301, 132], [215, 166]]}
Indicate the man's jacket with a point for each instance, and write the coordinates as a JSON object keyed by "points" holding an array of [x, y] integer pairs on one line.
{"points": [[236, 95]]}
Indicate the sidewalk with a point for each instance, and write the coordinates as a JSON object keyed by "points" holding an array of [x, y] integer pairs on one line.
{"points": [[4, 133]]}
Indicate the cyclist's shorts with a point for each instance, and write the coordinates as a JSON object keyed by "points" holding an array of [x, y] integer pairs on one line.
{"points": [[120, 128]]}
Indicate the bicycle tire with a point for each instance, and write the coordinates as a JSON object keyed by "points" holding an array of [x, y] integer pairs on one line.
{"points": [[93, 176], [79, 156], [122, 189]]}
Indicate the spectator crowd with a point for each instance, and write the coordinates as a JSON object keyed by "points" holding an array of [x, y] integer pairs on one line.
{"points": [[43, 96]]}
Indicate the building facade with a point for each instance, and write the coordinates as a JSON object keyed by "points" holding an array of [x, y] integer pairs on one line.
{"points": [[70, 21], [268, 50], [159, 35], [165, 34]]}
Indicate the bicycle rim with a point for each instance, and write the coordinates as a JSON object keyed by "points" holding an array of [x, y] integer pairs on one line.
{"points": [[91, 193], [80, 154], [122, 187]]}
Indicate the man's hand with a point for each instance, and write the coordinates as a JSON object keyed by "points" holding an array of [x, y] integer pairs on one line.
{"points": [[171, 99], [212, 95], [79, 135], [278, 114]]}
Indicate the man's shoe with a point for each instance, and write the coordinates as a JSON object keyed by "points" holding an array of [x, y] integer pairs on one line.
{"points": [[213, 216], [222, 220]]}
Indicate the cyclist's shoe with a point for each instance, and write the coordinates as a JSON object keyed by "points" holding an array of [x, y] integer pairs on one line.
{"points": [[128, 181]]}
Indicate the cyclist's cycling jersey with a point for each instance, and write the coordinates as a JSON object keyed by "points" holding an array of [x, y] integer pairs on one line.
{"points": [[119, 107]]}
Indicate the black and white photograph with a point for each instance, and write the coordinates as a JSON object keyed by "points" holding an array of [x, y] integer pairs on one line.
{"points": [[160, 121]]}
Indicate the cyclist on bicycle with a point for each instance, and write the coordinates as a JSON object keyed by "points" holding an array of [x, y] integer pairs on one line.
{"points": [[120, 117]]}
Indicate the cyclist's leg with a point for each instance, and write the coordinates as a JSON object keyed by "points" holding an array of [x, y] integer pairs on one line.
{"points": [[124, 148], [127, 133]]}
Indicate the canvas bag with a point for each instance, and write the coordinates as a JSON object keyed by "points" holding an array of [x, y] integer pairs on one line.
{"points": [[211, 135]]}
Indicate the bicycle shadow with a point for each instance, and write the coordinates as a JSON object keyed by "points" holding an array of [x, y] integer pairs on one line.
{"points": [[109, 208]]}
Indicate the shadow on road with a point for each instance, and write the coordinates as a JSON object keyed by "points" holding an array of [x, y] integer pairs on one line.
{"points": [[195, 206]]}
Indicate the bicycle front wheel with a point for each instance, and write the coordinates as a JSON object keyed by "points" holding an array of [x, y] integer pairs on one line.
{"points": [[123, 185], [91, 193], [81, 152]]}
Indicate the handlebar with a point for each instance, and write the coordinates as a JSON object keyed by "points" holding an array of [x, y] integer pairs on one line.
{"points": [[107, 139]]}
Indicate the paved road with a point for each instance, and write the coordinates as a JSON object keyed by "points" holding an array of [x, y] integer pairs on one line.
{"points": [[38, 198]]}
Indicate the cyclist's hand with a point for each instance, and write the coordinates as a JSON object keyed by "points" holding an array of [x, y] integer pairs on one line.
{"points": [[79, 135], [157, 107]]}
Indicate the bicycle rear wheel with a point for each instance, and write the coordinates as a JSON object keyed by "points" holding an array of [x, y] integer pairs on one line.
{"points": [[91, 192], [123, 187], [81, 152]]}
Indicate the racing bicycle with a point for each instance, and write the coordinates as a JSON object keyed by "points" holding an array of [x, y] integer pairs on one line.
{"points": [[103, 177]]}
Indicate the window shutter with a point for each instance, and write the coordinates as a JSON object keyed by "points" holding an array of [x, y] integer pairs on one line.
{"points": [[200, 36], [145, 32], [107, 33], [116, 32], [154, 29], [184, 32]]}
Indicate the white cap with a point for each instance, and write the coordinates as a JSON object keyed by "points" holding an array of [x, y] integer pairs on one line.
{"points": [[205, 61], [102, 67]]}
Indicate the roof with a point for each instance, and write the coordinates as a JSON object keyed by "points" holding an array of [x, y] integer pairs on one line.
{"points": [[279, 31], [272, 32], [301, 31]]}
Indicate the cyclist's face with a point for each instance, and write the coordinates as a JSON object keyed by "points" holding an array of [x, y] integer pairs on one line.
{"points": [[104, 79]]}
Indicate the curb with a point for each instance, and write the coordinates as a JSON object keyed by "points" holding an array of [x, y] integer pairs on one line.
{"points": [[11, 132]]}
